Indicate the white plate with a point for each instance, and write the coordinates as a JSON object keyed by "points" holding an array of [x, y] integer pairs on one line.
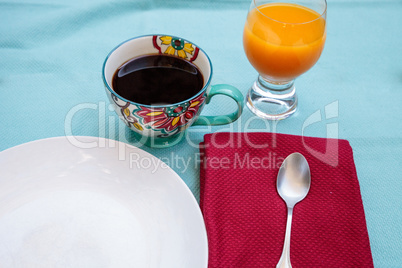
{"points": [[113, 205]]}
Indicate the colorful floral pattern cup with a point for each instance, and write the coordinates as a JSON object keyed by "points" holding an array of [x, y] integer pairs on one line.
{"points": [[165, 125]]}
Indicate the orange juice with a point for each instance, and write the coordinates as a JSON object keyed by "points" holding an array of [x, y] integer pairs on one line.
{"points": [[282, 41]]}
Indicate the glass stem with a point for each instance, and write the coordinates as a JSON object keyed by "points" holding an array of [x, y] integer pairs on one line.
{"points": [[272, 100]]}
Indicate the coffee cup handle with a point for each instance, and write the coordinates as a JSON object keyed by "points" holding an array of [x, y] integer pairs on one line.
{"points": [[227, 90]]}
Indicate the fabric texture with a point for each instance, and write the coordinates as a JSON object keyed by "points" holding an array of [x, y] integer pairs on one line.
{"points": [[246, 218]]}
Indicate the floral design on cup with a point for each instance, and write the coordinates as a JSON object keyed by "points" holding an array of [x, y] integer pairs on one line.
{"points": [[168, 119], [175, 46], [127, 116]]}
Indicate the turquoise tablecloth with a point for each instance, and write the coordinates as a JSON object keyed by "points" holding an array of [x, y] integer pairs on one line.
{"points": [[50, 84]]}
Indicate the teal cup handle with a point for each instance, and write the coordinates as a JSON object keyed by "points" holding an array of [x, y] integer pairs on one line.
{"points": [[215, 120]]}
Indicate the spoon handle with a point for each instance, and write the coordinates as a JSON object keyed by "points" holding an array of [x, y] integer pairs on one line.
{"points": [[284, 261]]}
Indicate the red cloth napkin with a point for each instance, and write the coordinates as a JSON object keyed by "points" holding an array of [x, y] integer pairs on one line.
{"points": [[246, 219]]}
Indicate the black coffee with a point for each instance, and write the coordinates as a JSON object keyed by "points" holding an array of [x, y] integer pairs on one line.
{"points": [[157, 79]]}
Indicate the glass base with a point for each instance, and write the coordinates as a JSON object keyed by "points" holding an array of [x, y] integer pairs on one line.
{"points": [[272, 100]]}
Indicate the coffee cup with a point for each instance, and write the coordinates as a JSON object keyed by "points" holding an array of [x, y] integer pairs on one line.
{"points": [[159, 84]]}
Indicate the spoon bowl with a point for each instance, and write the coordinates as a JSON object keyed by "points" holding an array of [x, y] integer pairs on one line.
{"points": [[293, 184]]}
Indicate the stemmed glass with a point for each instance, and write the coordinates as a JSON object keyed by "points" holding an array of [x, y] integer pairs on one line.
{"points": [[282, 40]]}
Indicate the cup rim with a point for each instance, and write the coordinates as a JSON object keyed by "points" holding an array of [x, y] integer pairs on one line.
{"points": [[204, 88]]}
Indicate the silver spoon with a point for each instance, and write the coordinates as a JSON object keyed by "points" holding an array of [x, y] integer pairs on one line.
{"points": [[293, 184]]}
